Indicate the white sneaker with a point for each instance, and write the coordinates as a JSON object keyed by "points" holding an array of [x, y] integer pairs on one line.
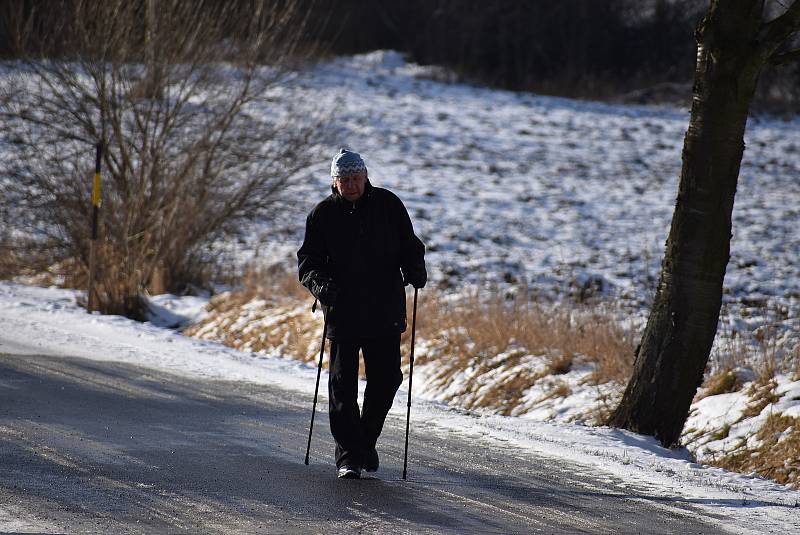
{"points": [[349, 472]]}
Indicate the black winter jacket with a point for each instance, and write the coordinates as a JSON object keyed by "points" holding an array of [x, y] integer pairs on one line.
{"points": [[359, 255]]}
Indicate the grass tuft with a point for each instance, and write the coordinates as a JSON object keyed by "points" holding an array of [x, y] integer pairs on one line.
{"points": [[762, 394], [723, 382], [776, 455]]}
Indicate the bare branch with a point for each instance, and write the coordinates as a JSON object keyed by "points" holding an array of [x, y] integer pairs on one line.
{"points": [[775, 32], [785, 57]]}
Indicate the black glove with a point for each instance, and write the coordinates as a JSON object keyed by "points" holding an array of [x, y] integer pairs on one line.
{"points": [[325, 290], [415, 277]]}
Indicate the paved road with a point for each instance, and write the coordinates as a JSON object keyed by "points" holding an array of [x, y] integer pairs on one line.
{"points": [[95, 447]]}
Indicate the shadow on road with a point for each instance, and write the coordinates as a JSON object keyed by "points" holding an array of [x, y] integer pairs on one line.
{"points": [[99, 446]]}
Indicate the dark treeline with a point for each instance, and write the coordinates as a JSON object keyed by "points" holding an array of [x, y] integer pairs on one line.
{"points": [[637, 49], [43, 25], [587, 48]]}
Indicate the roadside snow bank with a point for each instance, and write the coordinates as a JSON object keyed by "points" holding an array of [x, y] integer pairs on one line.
{"points": [[49, 321]]}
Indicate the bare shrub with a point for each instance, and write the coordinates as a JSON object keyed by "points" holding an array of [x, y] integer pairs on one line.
{"points": [[179, 93], [10, 263]]}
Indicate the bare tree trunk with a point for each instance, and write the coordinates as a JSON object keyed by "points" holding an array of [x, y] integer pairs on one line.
{"points": [[680, 331]]}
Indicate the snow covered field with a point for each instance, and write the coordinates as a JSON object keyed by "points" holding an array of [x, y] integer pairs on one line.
{"points": [[48, 321], [549, 193]]}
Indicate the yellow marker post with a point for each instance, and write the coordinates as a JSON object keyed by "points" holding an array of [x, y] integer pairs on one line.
{"points": [[95, 214], [96, 190]]}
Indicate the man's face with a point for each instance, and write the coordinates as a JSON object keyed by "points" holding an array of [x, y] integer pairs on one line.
{"points": [[351, 187]]}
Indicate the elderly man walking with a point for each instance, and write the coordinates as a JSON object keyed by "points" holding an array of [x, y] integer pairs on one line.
{"points": [[359, 252]]}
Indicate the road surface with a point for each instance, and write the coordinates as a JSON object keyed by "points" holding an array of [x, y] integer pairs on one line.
{"points": [[99, 447]]}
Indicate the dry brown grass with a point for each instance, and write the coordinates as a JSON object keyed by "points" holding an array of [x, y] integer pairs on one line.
{"points": [[502, 397], [558, 389], [794, 357], [763, 350], [776, 457], [519, 340], [489, 352], [494, 325], [271, 312], [272, 282], [290, 337], [723, 382], [762, 394], [480, 351], [561, 364], [760, 355], [38, 265], [775, 452], [10, 263]]}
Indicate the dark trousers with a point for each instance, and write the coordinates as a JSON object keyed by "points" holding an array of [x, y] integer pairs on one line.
{"points": [[357, 433]]}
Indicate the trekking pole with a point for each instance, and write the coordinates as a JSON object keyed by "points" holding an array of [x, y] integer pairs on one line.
{"points": [[410, 379], [316, 388]]}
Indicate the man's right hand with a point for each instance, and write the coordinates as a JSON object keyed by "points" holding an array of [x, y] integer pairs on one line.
{"points": [[415, 277]]}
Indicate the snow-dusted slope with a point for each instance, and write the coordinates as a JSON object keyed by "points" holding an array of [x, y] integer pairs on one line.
{"points": [[546, 192]]}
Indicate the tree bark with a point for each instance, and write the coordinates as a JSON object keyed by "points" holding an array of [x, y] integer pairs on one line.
{"points": [[680, 331]]}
